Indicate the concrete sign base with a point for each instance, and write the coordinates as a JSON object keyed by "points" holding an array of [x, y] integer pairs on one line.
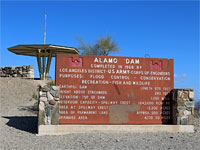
{"points": [[68, 129]]}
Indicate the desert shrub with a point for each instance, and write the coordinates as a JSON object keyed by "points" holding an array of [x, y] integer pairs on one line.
{"points": [[34, 96], [49, 78], [50, 83]]}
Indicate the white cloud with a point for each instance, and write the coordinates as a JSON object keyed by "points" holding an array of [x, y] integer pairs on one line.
{"points": [[184, 75], [178, 81], [179, 77]]}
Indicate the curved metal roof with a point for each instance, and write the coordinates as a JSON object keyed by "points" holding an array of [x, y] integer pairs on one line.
{"points": [[43, 49]]}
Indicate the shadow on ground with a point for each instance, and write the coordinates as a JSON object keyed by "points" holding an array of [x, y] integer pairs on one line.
{"points": [[33, 109], [23, 123]]}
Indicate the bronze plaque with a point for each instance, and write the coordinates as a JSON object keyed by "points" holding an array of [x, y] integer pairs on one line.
{"points": [[114, 90]]}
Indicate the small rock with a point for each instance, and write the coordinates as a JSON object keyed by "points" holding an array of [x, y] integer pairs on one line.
{"points": [[52, 102], [47, 120], [43, 99], [41, 106], [57, 94], [42, 94], [55, 88], [45, 89], [187, 113], [56, 99], [53, 92], [189, 104], [49, 96], [191, 94], [47, 111]]}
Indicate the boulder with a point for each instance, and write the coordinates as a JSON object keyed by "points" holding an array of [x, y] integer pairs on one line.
{"points": [[41, 106], [52, 102], [43, 99], [49, 96], [56, 99]]}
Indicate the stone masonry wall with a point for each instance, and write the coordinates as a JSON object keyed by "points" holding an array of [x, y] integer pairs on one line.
{"points": [[20, 71], [48, 105], [183, 106]]}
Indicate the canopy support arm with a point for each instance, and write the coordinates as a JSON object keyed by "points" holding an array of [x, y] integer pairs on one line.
{"points": [[39, 64], [44, 64], [48, 64]]}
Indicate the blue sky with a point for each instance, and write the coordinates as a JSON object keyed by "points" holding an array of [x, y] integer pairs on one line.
{"points": [[161, 29]]}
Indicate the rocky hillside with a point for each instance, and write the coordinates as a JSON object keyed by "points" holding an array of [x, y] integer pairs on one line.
{"points": [[16, 93]]}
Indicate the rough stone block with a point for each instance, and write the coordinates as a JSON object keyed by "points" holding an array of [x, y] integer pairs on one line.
{"points": [[190, 120], [47, 111], [56, 99], [191, 95], [187, 113], [45, 89], [185, 95], [41, 106], [180, 94], [49, 96], [181, 108], [189, 104], [53, 92], [57, 95], [181, 113], [55, 88], [42, 94], [43, 99], [52, 102], [184, 120]]}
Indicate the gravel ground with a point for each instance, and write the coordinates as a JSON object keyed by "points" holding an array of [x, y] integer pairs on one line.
{"points": [[18, 126]]}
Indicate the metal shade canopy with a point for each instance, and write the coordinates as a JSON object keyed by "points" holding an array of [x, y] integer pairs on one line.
{"points": [[42, 51]]}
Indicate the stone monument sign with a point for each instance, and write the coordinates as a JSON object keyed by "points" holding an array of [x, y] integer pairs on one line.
{"points": [[114, 90]]}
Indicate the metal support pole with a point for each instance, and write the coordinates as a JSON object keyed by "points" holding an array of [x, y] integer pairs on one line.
{"points": [[48, 64], [39, 64], [43, 68]]}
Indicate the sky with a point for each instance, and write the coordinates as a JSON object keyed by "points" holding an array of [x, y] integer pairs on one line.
{"points": [[162, 29]]}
